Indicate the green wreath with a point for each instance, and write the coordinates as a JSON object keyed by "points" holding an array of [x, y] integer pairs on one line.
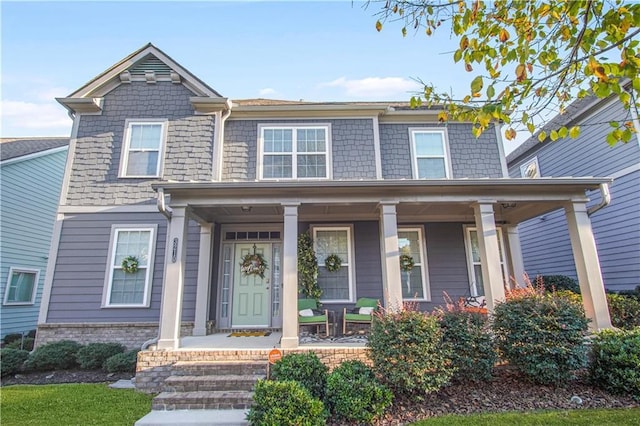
{"points": [[333, 263], [130, 264], [253, 264], [406, 262]]}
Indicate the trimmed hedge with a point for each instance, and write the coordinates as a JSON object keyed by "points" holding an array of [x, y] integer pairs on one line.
{"points": [[615, 361], [624, 310], [285, 403], [304, 368], [94, 355], [124, 362], [54, 356], [12, 360]]}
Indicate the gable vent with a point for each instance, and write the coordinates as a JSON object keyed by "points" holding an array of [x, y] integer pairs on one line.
{"points": [[150, 63]]}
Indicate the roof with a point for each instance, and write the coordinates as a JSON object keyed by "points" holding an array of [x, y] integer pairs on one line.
{"points": [[19, 147], [396, 105]]}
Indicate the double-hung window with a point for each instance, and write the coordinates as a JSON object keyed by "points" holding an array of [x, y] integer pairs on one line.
{"points": [[474, 262], [143, 149], [294, 152], [21, 286], [430, 154], [128, 288], [414, 280], [337, 286]]}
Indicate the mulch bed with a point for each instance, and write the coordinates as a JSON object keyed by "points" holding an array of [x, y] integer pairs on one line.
{"points": [[64, 376]]}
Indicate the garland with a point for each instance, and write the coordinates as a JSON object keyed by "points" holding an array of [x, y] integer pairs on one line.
{"points": [[406, 262], [253, 264], [130, 264], [333, 263]]}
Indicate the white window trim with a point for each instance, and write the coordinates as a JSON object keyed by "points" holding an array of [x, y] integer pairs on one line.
{"points": [[294, 162], [33, 292], [122, 173], [473, 286], [351, 260], [523, 168], [445, 141], [106, 293], [426, 286]]}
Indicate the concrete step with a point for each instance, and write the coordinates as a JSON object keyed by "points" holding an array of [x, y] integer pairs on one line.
{"points": [[203, 400], [200, 368], [194, 418], [227, 382]]}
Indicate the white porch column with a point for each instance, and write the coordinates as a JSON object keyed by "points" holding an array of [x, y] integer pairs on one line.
{"points": [[290, 278], [516, 265], [172, 288], [489, 253], [585, 255], [204, 280], [391, 279]]}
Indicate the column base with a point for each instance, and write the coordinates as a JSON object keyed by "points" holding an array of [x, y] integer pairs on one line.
{"points": [[199, 331], [167, 344], [289, 342]]}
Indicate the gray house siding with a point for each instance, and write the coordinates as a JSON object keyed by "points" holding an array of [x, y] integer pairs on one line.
{"points": [[470, 157], [30, 194], [353, 152], [79, 277], [188, 150]]}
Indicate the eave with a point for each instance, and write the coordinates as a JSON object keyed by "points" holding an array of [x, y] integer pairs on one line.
{"points": [[82, 105]]}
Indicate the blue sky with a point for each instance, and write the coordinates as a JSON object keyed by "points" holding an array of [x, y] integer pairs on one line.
{"points": [[316, 51]]}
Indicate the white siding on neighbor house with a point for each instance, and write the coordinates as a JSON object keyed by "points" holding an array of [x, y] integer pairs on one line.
{"points": [[30, 195]]}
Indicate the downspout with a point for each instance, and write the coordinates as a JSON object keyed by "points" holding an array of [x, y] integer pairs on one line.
{"points": [[220, 141], [604, 202]]}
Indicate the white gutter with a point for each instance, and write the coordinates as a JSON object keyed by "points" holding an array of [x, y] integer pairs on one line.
{"points": [[164, 209], [220, 141], [604, 202]]}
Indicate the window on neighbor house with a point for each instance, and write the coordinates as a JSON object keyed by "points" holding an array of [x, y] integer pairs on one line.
{"points": [[21, 286], [430, 154], [130, 288], [474, 263], [414, 281], [143, 149], [530, 169], [337, 286], [294, 152]]}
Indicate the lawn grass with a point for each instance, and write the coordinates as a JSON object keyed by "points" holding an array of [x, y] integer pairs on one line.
{"points": [[71, 404], [599, 417]]}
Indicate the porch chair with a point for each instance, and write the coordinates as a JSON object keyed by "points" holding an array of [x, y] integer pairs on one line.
{"points": [[309, 314], [362, 313]]}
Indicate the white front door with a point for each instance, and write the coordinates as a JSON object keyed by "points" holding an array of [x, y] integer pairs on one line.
{"points": [[251, 292]]}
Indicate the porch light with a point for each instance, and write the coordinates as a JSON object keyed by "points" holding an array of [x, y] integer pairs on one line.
{"points": [[245, 209], [508, 205]]}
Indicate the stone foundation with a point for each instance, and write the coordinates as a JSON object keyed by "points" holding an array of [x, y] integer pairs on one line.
{"points": [[154, 366], [131, 335]]}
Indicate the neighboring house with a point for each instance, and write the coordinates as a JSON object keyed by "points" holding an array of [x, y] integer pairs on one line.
{"points": [[167, 171], [546, 246], [31, 171]]}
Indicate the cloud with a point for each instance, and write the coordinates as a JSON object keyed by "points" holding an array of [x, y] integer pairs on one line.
{"points": [[379, 88], [21, 118], [268, 91]]}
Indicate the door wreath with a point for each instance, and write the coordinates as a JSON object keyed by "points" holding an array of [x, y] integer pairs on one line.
{"points": [[333, 263], [406, 262], [253, 264]]}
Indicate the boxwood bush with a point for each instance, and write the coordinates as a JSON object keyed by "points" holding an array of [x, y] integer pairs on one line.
{"points": [[94, 355], [542, 335], [54, 356], [11, 360], [560, 282], [354, 394], [407, 352], [25, 344], [615, 361], [304, 368], [624, 310], [124, 362], [285, 403]]}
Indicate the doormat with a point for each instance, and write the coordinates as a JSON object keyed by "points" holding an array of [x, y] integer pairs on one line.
{"points": [[249, 334]]}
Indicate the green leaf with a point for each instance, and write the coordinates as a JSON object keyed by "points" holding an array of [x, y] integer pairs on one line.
{"points": [[614, 124], [553, 135], [476, 84], [563, 132], [542, 136], [491, 92], [611, 139], [457, 56], [574, 132]]}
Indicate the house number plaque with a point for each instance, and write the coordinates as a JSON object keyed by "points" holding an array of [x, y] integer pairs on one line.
{"points": [[174, 251]]}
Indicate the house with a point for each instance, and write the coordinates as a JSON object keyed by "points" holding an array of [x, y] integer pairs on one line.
{"points": [[545, 242], [31, 172], [170, 188]]}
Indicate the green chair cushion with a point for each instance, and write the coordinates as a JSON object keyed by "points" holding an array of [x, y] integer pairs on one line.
{"points": [[319, 319], [357, 318], [366, 302], [307, 304]]}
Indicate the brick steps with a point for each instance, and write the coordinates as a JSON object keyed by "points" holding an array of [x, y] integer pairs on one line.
{"points": [[203, 400], [210, 383]]}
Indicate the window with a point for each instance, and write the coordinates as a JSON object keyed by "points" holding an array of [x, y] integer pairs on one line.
{"points": [[337, 285], [130, 289], [289, 152], [530, 169], [142, 152], [430, 154], [21, 286], [414, 282], [474, 262]]}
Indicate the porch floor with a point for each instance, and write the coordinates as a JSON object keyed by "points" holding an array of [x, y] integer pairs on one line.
{"points": [[222, 341]]}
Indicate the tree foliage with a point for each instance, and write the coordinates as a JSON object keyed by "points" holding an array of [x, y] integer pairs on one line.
{"points": [[527, 57]]}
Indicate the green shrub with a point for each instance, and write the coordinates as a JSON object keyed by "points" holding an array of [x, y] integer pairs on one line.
{"points": [[11, 338], [615, 361], [11, 360], [541, 334], [635, 293], [468, 338], [26, 344], [624, 310], [304, 368], [560, 282], [124, 362], [354, 394], [94, 355], [54, 356], [284, 403], [407, 352]]}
